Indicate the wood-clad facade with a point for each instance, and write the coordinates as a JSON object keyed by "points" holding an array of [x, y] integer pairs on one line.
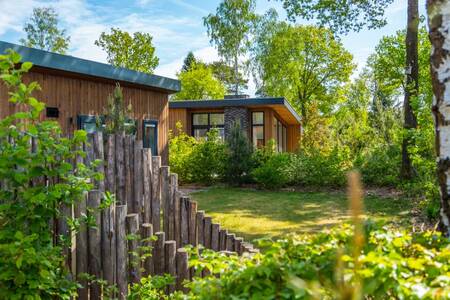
{"points": [[75, 96], [275, 112]]}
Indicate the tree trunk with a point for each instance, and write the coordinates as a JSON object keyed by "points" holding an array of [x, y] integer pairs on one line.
{"points": [[439, 22], [236, 75], [412, 84]]}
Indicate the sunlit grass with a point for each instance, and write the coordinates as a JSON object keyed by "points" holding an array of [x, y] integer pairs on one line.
{"points": [[254, 214]]}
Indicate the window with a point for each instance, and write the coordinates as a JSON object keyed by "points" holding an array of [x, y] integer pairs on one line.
{"points": [[258, 129], [203, 122], [90, 123], [150, 135], [279, 133]]}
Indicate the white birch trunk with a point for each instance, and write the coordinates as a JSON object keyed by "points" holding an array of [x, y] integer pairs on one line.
{"points": [[439, 24]]}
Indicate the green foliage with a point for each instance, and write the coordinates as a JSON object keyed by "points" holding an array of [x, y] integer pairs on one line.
{"points": [[43, 32], [340, 16], [188, 62], [239, 156], [206, 163], [273, 173], [152, 288], [310, 73], [132, 52], [116, 114], [35, 187], [226, 74], [314, 168], [392, 264], [229, 29], [197, 161], [199, 83]]}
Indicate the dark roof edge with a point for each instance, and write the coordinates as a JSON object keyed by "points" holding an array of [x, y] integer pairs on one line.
{"points": [[234, 102], [72, 64]]}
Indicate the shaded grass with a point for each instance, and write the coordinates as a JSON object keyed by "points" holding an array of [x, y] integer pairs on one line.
{"points": [[254, 213]]}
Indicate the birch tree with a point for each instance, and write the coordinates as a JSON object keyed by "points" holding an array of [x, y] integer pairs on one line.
{"points": [[439, 25]]}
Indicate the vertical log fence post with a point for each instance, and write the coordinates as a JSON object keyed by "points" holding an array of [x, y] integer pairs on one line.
{"points": [[200, 231], [173, 184], [156, 194], [120, 169], [192, 213], [94, 234], [147, 182], [134, 270], [182, 269], [215, 229], [158, 253], [184, 205], [207, 232], [147, 233], [165, 197], [121, 250], [170, 261], [138, 181], [82, 249]]}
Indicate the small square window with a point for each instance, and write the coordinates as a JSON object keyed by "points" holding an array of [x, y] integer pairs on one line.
{"points": [[258, 118], [216, 119], [52, 112], [200, 119]]}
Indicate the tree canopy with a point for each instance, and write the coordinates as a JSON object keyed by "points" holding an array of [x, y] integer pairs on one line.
{"points": [[132, 52], [42, 31], [305, 64], [199, 83]]}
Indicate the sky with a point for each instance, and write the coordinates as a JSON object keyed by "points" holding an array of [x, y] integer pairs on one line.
{"points": [[176, 26]]}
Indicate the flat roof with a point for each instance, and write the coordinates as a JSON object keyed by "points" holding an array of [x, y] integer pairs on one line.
{"points": [[220, 103], [77, 65]]}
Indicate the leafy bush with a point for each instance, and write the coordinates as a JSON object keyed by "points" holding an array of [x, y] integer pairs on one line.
{"points": [[273, 173], [239, 156], [313, 168], [31, 265], [181, 147], [207, 159]]}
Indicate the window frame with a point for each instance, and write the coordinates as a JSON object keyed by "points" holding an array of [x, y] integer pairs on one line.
{"points": [[209, 126], [253, 125], [81, 119], [281, 147], [154, 122]]}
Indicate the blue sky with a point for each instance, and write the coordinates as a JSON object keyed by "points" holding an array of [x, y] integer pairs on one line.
{"points": [[176, 26]]}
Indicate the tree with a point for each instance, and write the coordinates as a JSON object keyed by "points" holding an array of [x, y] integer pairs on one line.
{"points": [[305, 64], [132, 52], [239, 155], [199, 83], [339, 16], [117, 119], [225, 74], [43, 32], [229, 29], [188, 62], [438, 12]]}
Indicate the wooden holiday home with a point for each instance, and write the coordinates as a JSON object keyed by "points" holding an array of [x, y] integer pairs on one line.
{"points": [[75, 91], [262, 119]]}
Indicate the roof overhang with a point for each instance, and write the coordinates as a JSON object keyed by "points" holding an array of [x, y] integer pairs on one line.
{"points": [[70, 64], [280, 105]]}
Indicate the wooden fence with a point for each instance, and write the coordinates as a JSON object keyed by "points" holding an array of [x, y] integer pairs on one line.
{"points": [[148, 203]]}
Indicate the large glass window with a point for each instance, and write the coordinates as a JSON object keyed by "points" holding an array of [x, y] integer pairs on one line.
{"points": [[90, 123], [279, 133], [203, 122], [258, 129]]}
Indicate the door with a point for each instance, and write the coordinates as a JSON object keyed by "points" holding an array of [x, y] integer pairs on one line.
{"points": [[150, 135]]}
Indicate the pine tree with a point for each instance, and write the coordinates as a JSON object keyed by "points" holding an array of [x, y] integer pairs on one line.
{"points": [[188, 62], [117, 119]]}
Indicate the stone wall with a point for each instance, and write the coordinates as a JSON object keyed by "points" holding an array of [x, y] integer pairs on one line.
{"points": [[236, 114]]}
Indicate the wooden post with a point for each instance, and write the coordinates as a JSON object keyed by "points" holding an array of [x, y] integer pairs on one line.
{"points": [[158, 253], [89, 149], [111, 164], [109, 244], [129, 182], [147, 233], [82, 249], [184, 221], [165, 197], [200, 229], [238, 245], [156, 194], [120, 169], [215, 228], [170, 248], [182, 269], [121, 250], [139, 181], [171, 205], [222, 239], [99, 154], [134, 272], [230, 241], [207, 232], [177, 217], [95, 240], [192, 206], [147, 184]]}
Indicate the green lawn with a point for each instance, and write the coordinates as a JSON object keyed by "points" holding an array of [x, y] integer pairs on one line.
{"points": [[254, 214]]}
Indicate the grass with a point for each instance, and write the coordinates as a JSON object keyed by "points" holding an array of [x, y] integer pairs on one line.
{"points": [[254, 214]]}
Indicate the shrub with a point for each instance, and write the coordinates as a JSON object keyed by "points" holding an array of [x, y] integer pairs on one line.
{"points": [[273, 173], [181, 147], [313, 168], [239, 156], [207, 159], [31, 265]]}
